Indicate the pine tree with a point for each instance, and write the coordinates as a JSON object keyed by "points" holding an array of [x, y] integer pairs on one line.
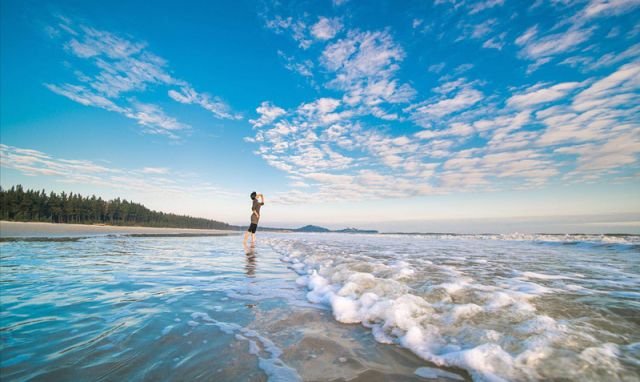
{"points": [[32, 205]]}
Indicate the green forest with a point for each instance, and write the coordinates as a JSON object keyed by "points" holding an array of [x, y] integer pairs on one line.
{"points": [[18, 204]]}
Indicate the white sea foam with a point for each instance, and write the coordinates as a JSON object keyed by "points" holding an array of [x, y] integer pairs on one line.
{"points": [[432, 373], [534, 275], [580, 239], [476, 312]]}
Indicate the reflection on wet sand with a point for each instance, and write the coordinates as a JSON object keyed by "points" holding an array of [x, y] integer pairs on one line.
{"points": [[250, 267]]}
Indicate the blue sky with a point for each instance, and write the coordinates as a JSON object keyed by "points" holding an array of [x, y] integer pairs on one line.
{"points": [[380, 114]]}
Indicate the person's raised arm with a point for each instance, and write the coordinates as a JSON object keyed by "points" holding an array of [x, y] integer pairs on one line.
{"points": [[261, 199]]}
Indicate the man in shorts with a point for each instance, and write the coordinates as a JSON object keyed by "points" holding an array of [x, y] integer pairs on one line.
{"points": [[255, 217]]}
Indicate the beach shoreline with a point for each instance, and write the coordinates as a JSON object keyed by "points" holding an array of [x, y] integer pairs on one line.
{"points": [[11, 229]]}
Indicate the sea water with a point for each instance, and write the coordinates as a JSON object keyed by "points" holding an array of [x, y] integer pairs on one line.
{"points": [[321, 307]]}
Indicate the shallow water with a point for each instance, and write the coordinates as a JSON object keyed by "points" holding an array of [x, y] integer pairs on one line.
{"points": [[321, 307]]}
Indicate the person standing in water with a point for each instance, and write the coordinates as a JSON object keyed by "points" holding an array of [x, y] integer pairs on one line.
{"points": [[255, 217]]}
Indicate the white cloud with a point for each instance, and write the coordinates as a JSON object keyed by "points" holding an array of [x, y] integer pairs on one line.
{"points": [[329, 178], [326, 28], [462, 68], [528, 167], [620, 151], [598, 8], [587, 63], [483, 29], [304, 68], [473, 7], [85, 96], [436, 68], [155, 170], [624, 82], [95, 43], [461, 129], [482, 5], [451, 86], [599, 113], [322, 106], [633, 52], [496, 42], [299, 184], [552, 45], [365, 64], [156, 180], [539, 95], [298, 29], [123, 66], [152, 117], [428, 111], [527, 35], [188, 95], [268, 113]]}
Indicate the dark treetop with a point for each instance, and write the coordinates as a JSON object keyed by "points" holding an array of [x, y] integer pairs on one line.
{"points": [[37, 206]]}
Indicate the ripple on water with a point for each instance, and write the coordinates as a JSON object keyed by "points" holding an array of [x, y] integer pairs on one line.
{"points": [[126, 308]]}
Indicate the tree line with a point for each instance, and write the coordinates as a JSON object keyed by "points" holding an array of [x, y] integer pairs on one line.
{"points": [[18, 204]]}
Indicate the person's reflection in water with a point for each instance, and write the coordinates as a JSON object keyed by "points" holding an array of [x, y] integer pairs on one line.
{"points": [[250, 267]]}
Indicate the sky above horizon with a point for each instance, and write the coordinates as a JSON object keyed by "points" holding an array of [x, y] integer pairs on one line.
{"points": [[381, 114]]}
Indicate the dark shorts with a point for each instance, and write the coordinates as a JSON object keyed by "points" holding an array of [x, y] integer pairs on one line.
{"points": [[252, 227]]}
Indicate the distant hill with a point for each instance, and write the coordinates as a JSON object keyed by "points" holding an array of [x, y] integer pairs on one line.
{"points": [[356, 230], [311, 228], [315, 228]]}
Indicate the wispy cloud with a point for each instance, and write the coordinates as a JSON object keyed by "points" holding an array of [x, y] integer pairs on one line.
{"points": [[188, 95], [122, 67], [150, 116], [365, 65], [599, 8], [486, 4], [297, 28], [550, 45], [158, 180], [539, 94], [542, 47], [326, 29], [455, 96], [591, 158]]}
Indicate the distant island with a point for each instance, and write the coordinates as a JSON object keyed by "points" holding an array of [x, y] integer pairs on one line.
{"points": [[311, 228], [315, 228], [18, 204]]}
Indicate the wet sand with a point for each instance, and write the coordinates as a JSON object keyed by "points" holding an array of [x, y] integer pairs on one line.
{"points": [[10, 229]]}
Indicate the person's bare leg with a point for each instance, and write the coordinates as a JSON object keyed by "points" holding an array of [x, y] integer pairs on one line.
{"points": [[253, 238], [246, 236]]}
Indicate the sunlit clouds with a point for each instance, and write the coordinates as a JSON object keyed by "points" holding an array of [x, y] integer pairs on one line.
{"points": [[467, 135]]}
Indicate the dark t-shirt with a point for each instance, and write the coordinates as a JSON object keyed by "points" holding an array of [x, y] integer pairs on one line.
{"points": [[255, 207]]}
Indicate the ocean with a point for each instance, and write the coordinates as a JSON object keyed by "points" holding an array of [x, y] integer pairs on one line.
{"points": [[322, 307]]}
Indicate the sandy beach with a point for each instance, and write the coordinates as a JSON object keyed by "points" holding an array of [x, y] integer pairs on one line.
{"points": [[10, 229]]}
